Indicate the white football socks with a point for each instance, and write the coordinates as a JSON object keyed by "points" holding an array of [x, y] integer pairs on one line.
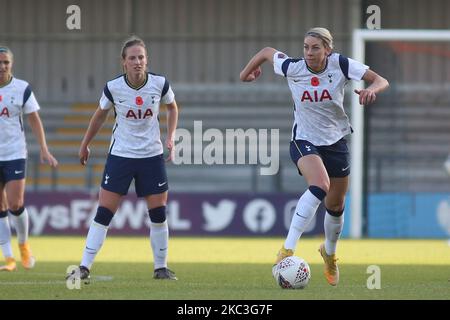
{"points": [[304, 212], [5, 237], [94, 241], [333, 228], [159, 240], [21, 225]]}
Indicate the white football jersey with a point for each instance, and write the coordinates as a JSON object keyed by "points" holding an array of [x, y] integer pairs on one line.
{"points": [[16, 99], [136, 129], [319, 115]]}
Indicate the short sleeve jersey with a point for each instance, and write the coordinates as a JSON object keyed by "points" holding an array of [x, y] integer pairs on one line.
{"points": [[319, 115], [136, 132], [16, 99]]}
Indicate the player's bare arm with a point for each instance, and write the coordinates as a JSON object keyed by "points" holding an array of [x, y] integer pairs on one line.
{"points": [[97, 121], [253, 68], [172, 120], [38, 130], [377, 84]]}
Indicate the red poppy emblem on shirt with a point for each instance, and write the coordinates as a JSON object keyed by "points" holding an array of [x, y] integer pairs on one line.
{"points": [[1, 98], [315, 81], [139, 101]]}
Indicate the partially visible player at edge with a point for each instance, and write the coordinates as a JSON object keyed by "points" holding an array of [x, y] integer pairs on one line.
{"points": [[136, 152], [318, 147], [16, 99]]}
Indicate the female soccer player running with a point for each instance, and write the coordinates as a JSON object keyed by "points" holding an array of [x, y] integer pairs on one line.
{"points": [[318, 147], [136, 152], [16, 99]]}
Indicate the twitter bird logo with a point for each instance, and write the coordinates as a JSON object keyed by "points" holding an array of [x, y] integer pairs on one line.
{"points": [[218, 217]]}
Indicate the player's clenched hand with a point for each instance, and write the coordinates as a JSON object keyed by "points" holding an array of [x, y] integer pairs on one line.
{"points": [[366, 96], [170, 147], [253, 75], [83, 154]]}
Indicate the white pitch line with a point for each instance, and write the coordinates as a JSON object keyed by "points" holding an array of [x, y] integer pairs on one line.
{"points": [[52, 282]]}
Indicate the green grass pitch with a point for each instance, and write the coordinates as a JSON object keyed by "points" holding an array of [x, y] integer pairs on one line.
{"points": [[231, 269]]}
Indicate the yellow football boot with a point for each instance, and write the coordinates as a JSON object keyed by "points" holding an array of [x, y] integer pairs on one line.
{"points": [[331, 270], [10, 265], [28, 260], [283, 253]]}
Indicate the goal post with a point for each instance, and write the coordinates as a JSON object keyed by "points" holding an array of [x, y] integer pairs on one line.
{"points": [[359, 39]]}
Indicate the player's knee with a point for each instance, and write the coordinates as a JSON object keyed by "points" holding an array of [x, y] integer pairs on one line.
{"points": [[335, 204], [157, 215], [16, 210], [103, 216]]}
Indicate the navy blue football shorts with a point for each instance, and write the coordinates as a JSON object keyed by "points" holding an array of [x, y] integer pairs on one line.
{"points": [[12, 170], [335, 157], [149, 175]]}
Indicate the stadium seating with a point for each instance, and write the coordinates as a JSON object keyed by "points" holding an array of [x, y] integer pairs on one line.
{"points": [[407, 139]]}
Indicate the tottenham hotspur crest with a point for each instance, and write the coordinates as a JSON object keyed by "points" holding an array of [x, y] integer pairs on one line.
{"points": [[330, 75]]}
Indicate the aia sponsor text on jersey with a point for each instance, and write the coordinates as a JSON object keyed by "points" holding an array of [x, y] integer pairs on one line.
{"points": [[316, 96], [138, 114]]}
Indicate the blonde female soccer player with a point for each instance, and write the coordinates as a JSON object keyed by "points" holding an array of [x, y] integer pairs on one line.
{"points": [[318, 146]]}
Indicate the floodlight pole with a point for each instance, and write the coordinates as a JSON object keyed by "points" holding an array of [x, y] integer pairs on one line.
{"points": [[359, 38]]}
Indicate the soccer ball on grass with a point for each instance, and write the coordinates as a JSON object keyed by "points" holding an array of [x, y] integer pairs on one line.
{"points": [[292, 273]]}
